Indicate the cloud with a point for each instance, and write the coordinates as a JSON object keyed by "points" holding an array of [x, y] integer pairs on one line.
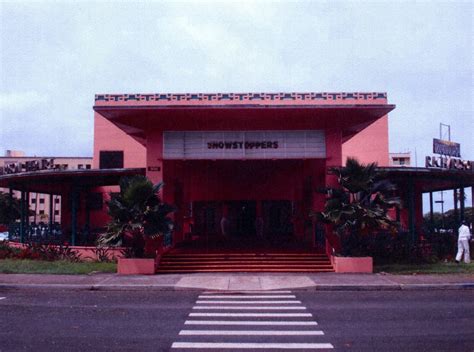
{"points": [[420, 54], [21, 101]]}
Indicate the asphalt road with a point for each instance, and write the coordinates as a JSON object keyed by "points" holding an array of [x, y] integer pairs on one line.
{"points": [[152, 321]]}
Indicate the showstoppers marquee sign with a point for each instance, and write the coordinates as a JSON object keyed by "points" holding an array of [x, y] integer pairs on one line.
{"points": [[194, 145]]}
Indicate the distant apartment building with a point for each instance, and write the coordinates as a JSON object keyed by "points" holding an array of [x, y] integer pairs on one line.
{"points": [[400, 159], [41, 205]]}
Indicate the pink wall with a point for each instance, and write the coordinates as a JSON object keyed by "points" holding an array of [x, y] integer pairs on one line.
{"points": [[239, 180], [86, 253], [369, 145], [107, 136], [154, 156], [227, 180]]}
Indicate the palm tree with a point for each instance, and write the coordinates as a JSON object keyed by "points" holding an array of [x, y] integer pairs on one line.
{"points": [[137, 213], [360, 205]]}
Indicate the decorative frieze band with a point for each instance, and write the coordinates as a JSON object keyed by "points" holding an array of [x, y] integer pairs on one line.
{"points": [[240, 97]]}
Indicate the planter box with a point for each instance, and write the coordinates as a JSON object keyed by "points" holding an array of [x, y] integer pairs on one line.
{"points": [[353, 264], [136, 266]]}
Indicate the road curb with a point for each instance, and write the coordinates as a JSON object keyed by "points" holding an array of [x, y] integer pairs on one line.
{"points": [[422, 287], [99, 287]]}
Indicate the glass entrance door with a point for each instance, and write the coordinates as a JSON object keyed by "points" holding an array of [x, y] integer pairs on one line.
{"points": [[241, 216], [277, 217]]}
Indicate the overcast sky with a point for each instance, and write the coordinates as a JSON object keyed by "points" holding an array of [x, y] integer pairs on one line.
{"points": [[56, 56]]}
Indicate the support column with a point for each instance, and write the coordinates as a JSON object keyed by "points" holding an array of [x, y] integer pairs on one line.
{"points": [[333, 155], [27, 210], [51, 215], [411, 211], [456, 213], [154, 157], [22, 217], [74, 211], [333, 159], [462, 198], [472, 205], [431, 210]]}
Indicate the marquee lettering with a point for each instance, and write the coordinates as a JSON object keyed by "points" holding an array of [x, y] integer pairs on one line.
{"points": [[242, 145], [443, 162]]}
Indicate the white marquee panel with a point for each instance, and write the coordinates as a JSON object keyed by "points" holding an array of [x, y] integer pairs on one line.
{"points": [[199, 145]]}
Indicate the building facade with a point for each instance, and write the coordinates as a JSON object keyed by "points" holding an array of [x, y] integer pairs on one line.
{"points": [[400, 159], [249, 158], [248, 164]]}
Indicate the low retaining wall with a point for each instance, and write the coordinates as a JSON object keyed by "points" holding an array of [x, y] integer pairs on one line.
{"points": [[87, 253], [352, 264], [136, 266]]}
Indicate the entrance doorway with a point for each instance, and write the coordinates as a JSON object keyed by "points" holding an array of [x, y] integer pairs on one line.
{"points": [[277, 218], [241, 221], [241, 217]]}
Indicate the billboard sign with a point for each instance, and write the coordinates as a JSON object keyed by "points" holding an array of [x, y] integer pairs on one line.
{"points": [[446, 148]]}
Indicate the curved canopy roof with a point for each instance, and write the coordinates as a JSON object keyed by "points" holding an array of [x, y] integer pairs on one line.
{"points": [[61, 182], [430, 179]]}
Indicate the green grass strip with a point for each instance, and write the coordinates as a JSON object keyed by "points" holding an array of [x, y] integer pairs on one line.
{"points": [[435, 268], [26, 266]]}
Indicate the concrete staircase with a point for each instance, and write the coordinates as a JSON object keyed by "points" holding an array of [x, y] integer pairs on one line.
{"points": [[244, 262]]}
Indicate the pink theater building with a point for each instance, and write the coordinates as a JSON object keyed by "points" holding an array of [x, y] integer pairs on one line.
{"points": [[255, 159], [242, 156]]}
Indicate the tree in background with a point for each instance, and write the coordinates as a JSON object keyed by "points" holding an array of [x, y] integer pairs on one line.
{"points": [[9, 208], [448, 221]]}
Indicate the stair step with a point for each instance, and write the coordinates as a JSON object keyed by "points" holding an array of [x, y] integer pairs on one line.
{"points": [[244, 262], [193, 260], [241, 258], [244, 256], [200, 255], [248, 271]]}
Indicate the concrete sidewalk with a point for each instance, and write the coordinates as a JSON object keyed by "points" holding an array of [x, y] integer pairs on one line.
{"points": [[238, 282]]}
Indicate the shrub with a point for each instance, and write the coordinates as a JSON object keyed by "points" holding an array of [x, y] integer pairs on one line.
{"points": [[37, 251], [103, 255], [6, 251]]}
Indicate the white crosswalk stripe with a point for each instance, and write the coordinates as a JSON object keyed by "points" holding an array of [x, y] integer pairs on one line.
{"points": [[256, 345], [245, 292], [250, 322], [251, 315], [248, 302], [249, 296], [252, 332], [249, 308], [224, 327]]}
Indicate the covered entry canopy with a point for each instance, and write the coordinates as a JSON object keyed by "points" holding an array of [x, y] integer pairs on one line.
{"points": [[136, 114], [61, 182], [431, 180], [413, 182], [73, 185]]}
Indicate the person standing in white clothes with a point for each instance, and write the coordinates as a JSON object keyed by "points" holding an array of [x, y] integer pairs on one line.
{"points": [[463, 243]]}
